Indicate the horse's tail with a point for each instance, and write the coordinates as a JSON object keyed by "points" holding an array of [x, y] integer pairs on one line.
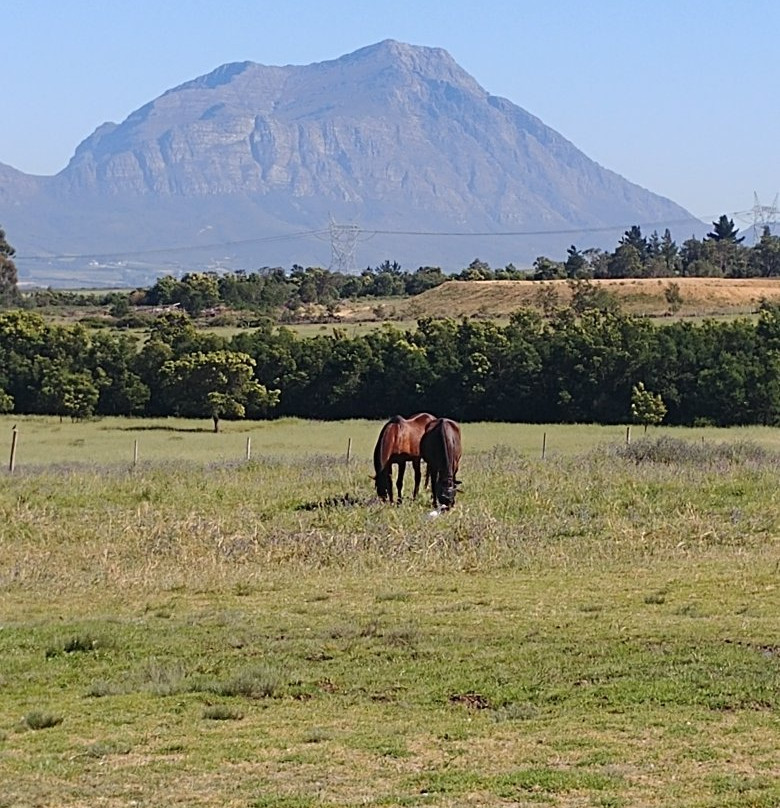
{"points": [[382, 459]]}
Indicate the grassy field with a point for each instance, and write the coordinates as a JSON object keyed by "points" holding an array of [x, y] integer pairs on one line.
{"points": [[701, 297], [46, 440], [598, 628]]}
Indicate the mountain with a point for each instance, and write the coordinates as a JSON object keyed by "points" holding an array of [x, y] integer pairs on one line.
{"points": [[248, 166]]}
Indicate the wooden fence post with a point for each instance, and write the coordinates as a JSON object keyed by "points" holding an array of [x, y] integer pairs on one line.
{"points": [[628, 435], [349, 448], [12, 461], [544, 445], [248, 449]]}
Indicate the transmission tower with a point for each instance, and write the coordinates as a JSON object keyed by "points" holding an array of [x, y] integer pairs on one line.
{"points": [[763, 216], [343, 238]]}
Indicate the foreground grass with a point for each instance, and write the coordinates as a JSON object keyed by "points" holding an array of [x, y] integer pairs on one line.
{"points": [[599, 629]]}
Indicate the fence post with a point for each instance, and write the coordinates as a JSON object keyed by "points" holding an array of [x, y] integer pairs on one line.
{"points": [[12, 461], [248, 448], [349, 448], [628, 435], [135, 452], [544, 445]]}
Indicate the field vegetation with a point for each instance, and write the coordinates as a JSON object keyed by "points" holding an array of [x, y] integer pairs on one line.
{"points": [[595, 628]]}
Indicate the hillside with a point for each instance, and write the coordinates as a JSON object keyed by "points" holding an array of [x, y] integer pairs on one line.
{"points": [[246, 166], [700, 296]]}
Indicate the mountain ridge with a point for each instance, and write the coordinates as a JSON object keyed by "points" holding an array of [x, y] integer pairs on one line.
{"points": [[392, 137]]}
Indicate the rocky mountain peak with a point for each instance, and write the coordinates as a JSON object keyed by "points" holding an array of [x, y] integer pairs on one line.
{"points": [[394, 137]]}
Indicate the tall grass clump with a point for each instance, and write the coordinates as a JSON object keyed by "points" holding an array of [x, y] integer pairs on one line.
{"points": [[671, 450]]}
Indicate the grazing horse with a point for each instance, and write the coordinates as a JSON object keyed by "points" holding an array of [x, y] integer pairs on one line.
{"points": [[399, 443], [440, 449]]}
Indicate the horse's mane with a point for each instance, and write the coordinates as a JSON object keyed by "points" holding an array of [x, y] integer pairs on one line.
{"points": [[446, 448]]}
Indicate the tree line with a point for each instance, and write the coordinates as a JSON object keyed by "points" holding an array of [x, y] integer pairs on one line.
{"points": [[277, 292], [566, 367]]}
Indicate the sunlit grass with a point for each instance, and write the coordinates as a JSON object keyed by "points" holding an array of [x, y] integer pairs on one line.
{"points": [[595, 628], [119, 442]]}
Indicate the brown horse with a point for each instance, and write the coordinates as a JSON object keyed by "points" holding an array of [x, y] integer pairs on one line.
{"points": [[399, 443], [441, 449]]}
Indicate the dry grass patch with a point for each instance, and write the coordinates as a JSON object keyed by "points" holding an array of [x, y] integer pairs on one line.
{"points": [[643, 296]]}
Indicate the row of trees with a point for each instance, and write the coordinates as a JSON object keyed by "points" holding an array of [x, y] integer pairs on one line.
{"points": [[721, 253], [564, 368]]}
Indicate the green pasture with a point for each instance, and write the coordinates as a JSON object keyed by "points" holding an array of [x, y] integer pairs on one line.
{"points": [[595, 628], [48, 440]]}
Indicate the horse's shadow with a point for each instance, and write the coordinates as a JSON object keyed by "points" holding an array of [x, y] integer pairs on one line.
{"points": [[165, 429], [343, 501]]}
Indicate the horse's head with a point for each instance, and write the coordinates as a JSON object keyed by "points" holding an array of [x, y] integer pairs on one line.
{"points": [[383, 483], [446, 494]]}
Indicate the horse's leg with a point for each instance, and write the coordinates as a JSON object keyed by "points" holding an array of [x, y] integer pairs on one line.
{"points": [[417, 476], [390, 482], [400, 483], [434, 478]]}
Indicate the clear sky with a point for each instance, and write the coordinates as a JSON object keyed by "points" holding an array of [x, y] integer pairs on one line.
{"points": [[679, 96]]}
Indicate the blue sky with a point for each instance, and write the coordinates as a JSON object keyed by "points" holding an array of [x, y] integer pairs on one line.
{"points": [[679, 97]]}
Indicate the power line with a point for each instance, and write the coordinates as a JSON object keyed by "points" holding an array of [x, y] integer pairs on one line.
{"points": [[162, 250], [343, 238]]}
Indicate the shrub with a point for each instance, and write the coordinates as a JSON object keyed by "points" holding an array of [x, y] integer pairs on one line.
{"points": [[39, 720]]}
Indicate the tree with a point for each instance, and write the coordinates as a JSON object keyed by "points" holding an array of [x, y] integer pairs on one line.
{"points": [[576, 265], [626, 262], [765, 256], [729, 256], [9, 291], [698, 259], [635, 239], [724, 230], [477, 270], [646, 408], [673, 297], [587, 295], [669, 252], [547, 270], [215, 385], [68, 393], [199, 291], [424, 278]]}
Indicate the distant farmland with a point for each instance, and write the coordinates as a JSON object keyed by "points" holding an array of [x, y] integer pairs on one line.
{"points": [[703, 297]]}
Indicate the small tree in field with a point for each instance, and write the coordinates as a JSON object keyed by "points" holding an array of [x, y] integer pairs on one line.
{"points": [[215, 385], [673, 297], [646, 408]]}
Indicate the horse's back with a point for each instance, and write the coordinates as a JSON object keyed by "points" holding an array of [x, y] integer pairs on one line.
{"points": [[441, 443], [401, 436]]}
